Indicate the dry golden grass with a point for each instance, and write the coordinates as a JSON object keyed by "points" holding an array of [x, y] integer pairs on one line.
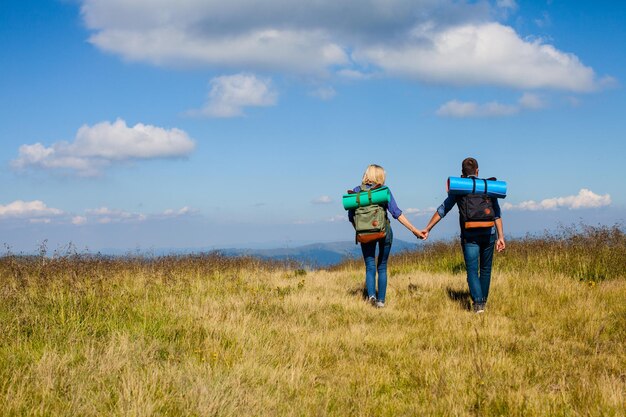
{"points": [[588, 253], [208, 335]]}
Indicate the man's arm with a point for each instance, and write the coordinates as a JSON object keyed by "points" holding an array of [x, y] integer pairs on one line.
{"points": [[441, 212], [500, 244], [433, 221]]}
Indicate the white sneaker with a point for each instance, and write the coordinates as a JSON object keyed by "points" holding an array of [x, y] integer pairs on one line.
{"points": [[372, 300], [380, 304]]}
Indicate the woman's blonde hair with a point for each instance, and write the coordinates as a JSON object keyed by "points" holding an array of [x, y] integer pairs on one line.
{"points": [[374, 175]]}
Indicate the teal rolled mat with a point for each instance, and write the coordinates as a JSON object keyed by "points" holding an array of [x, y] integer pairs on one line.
{"points": [[365, 198]]}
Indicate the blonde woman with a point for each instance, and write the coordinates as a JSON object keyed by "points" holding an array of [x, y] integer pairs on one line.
{"points": [[375, 176]]}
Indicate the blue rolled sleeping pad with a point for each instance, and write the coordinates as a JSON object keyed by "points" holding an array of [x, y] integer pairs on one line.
{"points": [[463, 186]]}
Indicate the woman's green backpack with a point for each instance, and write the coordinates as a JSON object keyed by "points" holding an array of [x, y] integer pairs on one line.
{"points": [[370, 221]]}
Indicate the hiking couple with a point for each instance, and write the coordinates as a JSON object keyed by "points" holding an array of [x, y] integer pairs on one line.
{"points": [[478, 243]]}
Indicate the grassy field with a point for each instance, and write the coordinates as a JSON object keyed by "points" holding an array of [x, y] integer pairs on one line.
{"points": [[207, 335]]}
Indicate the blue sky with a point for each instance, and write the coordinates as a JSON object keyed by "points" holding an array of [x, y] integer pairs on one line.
{"points": [[149, 124]]}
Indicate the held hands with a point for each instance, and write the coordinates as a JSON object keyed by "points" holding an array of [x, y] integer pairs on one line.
{"points": [[500, 245], [425, 232], [419, 234]]}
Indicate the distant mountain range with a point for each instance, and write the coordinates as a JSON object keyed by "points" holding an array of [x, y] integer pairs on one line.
{"points": [[316, 254], [311, 255]]}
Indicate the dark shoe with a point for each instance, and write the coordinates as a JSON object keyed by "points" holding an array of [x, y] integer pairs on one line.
{"points": [[479, 308]]}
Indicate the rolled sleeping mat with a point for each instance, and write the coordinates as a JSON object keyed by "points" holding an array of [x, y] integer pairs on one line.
{"points": [[354, 200], [463, 186]]}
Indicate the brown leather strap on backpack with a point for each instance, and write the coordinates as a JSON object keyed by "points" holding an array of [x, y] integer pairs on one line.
{"points": [[475, 225], [370, 237]]}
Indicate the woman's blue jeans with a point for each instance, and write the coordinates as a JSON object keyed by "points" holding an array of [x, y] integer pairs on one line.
{"points": [[478, 250], [371, 266]]}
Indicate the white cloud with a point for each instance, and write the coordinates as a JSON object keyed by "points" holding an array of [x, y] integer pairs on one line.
{"points": [[28, 209], [461, 109], [177, 213], [481, 54], [37, 212], [324, 199], [262, 49], [44, 220], [96, 147], [79, 220], [420, 212], [105, 215], [531, 101], [544, 20], [507, 4], [338, 218], [506, 7], [324, 93], [584, 199], [608, 82], [447, 41], [354, 74], [102, 211], [230, 94]]}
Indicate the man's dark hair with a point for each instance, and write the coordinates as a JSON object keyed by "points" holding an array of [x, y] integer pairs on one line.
{"points": [[469, 167]]}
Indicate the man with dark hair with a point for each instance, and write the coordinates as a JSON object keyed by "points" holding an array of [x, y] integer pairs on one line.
{"points": [[478, 242], [469, 166]]}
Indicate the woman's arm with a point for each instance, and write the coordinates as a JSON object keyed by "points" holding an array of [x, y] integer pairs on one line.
{"points": [[396, 213], [418, 233]]}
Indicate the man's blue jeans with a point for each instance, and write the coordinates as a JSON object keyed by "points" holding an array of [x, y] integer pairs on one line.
{"points": [[369, 256], [477, 249]]}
